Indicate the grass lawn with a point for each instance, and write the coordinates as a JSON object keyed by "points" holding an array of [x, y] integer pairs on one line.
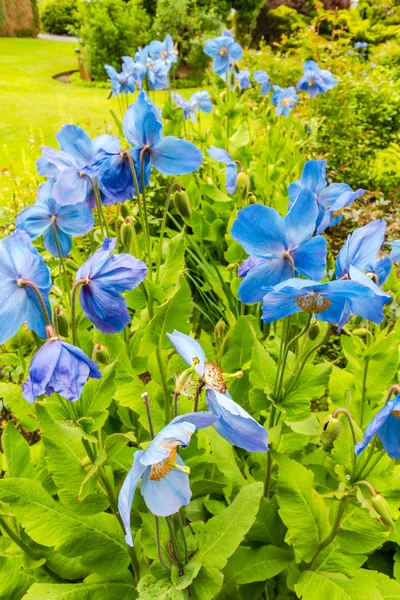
{"points": [[34, 106]]}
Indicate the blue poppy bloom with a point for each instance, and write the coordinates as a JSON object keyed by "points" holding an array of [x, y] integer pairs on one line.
{"points": [[19, 262], [103, 278], [360, 45], [137, 70], [326, 301], [46, 213], [274, 243], [243, 79], [121, 83], [165, 482], [169, 155], [198, 101], [284, 99], [67, 165], [360, 250], [234, 423], [58, 367], [224, 50], [315, 80], [164, 51], [157, 74], [331, 199], [262, 77], [395, 253], [386, 424], [231, 168]]}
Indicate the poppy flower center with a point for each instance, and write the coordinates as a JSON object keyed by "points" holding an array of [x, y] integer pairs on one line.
{"points": [[162, 468], [164, 54], [223, 52], [396, 413], [311, 82], [287, 101], [214, 377], [313, 303]]}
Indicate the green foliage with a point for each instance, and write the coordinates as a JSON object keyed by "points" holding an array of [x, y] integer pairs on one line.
{"points": [[59, 17]]}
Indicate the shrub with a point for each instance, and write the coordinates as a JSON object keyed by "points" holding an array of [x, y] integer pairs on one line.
{"points": [[110, 29], [59, 17]]}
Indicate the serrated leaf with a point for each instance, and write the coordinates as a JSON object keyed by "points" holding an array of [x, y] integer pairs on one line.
{"points": [[248, 565], [16, 452], [174, 263], [21, 408], [190, 571], [322, 585], [163, 589], [240, 345], [207, 584], [311, 385]]}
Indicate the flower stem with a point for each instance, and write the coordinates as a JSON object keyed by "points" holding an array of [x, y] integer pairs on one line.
{"points": [[73, 310], [141, 215], [158, 544], [367, 485], [146, 399], [309, 352], [174, 541], [364, 389], [333, 533], [61, 259], [197, 393], [176, 398], [27, 283], [163, 224], [182, 529]]}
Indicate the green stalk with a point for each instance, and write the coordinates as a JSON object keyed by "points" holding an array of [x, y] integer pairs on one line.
{"points": [[364, 389], [163, 224], [27, 283], [73, 310], [141, 216]]}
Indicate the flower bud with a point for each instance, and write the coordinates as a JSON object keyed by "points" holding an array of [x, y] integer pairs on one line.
{"points": [[331, 428], [357, 320], [62, 322], [360, 332], [125, 210], [126, 232], [313, 332], [101, 354], [242, 181], [219, 330], [71, 264], [251, 198], [185, 383], [182, 204], [382, 508]]}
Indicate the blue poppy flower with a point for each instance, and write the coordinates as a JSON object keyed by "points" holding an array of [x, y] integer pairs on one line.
{"points": [[262, 77], [157, 74], [386, 424], [326, 301], [19, 262], [395, 253], [58, 367], [198, 101], [243, 79], [103, 278], [224, 50], [121, 83], [169, 155], [231, 169], [165, 482], [361, 45], [234, 423], [275, 243], [315, 80], [164, 51], [67, 165], [137, 70], [47, 213], [284, 99], [331, 199]]}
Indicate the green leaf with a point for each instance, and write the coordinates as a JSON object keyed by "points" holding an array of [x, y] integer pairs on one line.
{"points": [[389, 588], [207, 584], [255, 564], [240, 138], [224, 456], [90, 480], [240, 345], [359, 533], [163, 589], [190, 571], [172, 314], [311, 385], [96, 539], [223, 533], [268, 527], [14, 584], [174, 264], [309, 426], [323, 585], [263, 368], [96, 398], [16, 452], [302, 511], [21, 408], [81, 591]]}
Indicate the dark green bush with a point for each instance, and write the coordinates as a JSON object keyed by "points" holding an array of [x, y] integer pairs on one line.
{"points": [[59, 17]]}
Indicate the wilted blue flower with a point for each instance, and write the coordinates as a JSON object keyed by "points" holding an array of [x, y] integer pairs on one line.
{"points": [[20, 262], [231, 168], [67, 165], [121, 83], [331, 198], [243, 79], [262, 77], [103, 278], [224, 50], [58, 367], [278, 245], [326, 301], [46, 214], [284, 99], [360, 250], [165, 482], [164, 51], [234, 423], [315, 80], [395, 253], [386, 424], [169, 155], [198, 101]]}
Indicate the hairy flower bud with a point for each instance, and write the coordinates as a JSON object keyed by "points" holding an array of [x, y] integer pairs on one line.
{"points": [[331, 428], [382, 508], [242, 181], [360, 332], [101, 354], [251, 198], [185, 383], [182, 204], [313, 332], [126, 233], [219, 330], [62, 322], [71, 264], [125, 210]]}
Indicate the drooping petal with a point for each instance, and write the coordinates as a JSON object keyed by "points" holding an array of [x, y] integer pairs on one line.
{"points": [[235, 51], [106, 142], [121, 272], [377, 423], [71, 187], [127, 493], [75, 141], [199, 419], [49, 242], [188, 349], [313, 176], [75, 220], [300, 222], [165, 496], [266, 275], [34, 220], [370, 305], [395, 253], [361, 247], [13, 308], [211, 48], [173, 156], [280, 302], [96, 262], [141, 124], [106, 309], [235, 424], [59, 159], [389, 432], [381, 268], [41, 370], [310, 258], [260, 230]]}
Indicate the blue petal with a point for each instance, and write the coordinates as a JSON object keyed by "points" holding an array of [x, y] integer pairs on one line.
{"points": [[141, 124], [377, 423], [361, 247], [173, 156], [188, 349], [127, 493], [198, 419], [235, 51], [301, 219], [41, 370], [108, 143], [389, 433], [310, 258], [381, 268], [60, 161], [260, 230], [370, 305], [75, 220], [34, 220], [106, 309], [266, 275], [13, 307], [165, 496], [395, 253], [220, 154], [211, 48], [50, 244], [71, 187], [220, 64], [313, 176], [46, 168], [115, 178], [235, 424], [75, 141]]}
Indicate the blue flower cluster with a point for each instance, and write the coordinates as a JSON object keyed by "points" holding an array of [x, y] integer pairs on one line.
{"points": [[198, 101], [151, 63]]}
